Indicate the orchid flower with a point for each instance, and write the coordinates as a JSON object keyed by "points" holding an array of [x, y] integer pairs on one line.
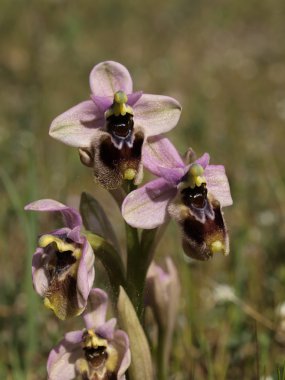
{"points": [[192, 194], [63, 264], [110, 129], [98, 352]]}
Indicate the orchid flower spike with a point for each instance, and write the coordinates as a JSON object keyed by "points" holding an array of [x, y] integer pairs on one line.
{"points": [[63, 264], [111, 127], [192, 194], [98, 352]]}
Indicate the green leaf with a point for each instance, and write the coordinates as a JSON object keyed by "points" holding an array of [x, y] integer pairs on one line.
{"points": [[95, 219], [141, 364], [109, 258]]}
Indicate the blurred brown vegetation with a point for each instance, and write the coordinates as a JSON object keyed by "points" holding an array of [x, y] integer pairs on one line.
{"points": [[225, 62]]}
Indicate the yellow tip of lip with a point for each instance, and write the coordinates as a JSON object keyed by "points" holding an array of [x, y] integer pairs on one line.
{"points": [[48, 304], [129, 174], [217, 247]]}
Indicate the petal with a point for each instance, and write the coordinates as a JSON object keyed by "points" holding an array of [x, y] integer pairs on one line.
{"points": [[108, 77], [64, 231], [95, 313], [85, 274], [40, 279], [146, 207], [73, 337], [156, 114], [71, 217], [203, 160], [218, 185], [158, 152], [172, 176], [134, 97], [75, 235], [61, 360], [78, 126], [121, 343], [107, 329], [102, 102]]}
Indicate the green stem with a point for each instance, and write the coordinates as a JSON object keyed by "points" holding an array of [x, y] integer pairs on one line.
{"points": [[118, 195], [135, 276], [139, 257], [135, 263], [161, 357], [148, 243]]}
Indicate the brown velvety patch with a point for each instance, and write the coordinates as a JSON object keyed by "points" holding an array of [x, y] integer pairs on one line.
{"points": [[198, 237], [62, 295], [110, 162], [114, 157]]}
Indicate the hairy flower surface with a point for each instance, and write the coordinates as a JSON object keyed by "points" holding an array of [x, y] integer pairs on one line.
{"points": [[111, 127], [99, 352], [192, 194], [63, 264]]}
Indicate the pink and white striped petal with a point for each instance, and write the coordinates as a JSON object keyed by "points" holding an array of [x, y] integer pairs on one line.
{"points": [[108, 77], [62, 358], [218, 184], [95, 314], [159, 152], [79, 125], [71, 217], [156, 114], [146, 207]]}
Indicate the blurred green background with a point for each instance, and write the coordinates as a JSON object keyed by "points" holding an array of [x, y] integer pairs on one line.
{"points": [[225, 62]]}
